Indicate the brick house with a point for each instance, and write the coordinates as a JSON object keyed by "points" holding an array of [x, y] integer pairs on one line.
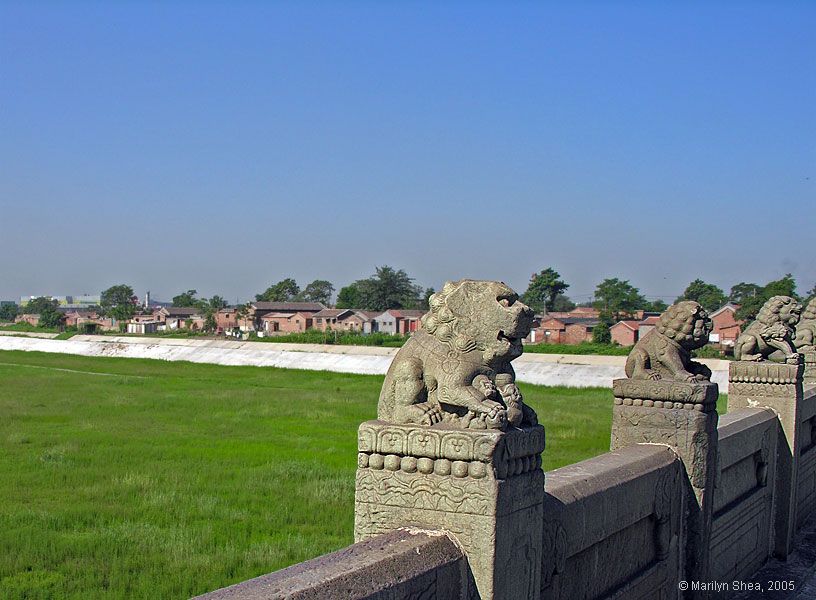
{"points": [[172, 317], [284, 322], [572, 330], [226, 319], [625, 333], [257, 310], [32, 320], [327, 318], [73, 316], [726, 328], [345, 319]]}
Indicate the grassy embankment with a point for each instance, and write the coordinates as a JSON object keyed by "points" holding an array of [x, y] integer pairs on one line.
{"points": [[27, 328], [147, 479]]}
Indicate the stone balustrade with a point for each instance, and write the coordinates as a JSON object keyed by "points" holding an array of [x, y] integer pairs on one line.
{"points": [[446, 510]]}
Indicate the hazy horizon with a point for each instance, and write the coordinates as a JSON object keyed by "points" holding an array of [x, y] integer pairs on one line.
{"points": [[226, 147]]}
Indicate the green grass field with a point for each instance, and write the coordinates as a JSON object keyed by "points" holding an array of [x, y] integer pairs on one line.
{"points": [[147, 479]]}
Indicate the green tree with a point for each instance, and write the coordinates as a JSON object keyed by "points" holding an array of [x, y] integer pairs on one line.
{"points": [[216, 303], [544, 288], [243, 312], [36, 306], [283, 291], [707, 294], [319, 290], [743, 291], [618, 298], [601, 333], [187, 300], [781, 287], [389, 288], [119, 302], [47, 309], [750, 305], [657, 306], [349, 296], [210, 307], [562, 303], [8, 311]]}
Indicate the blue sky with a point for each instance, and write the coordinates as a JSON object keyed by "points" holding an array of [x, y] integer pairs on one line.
{"points": [[225, 146]]}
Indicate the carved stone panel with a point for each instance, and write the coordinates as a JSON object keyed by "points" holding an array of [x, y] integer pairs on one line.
{"points": [[486, 487]]}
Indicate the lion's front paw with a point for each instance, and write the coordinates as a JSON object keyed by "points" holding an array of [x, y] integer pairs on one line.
{"points": [[497, 420], [432, 415], [792, 359], [655, 376]]}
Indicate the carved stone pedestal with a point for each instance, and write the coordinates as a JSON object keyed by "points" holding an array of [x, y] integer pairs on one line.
{"points": [[485, 487], [779, 387], [809, 375], [684, 417]]}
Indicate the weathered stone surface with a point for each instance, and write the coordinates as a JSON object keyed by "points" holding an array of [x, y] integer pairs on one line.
{"points": [[457, 368], [687, 422], [701, 397], [403, 564], [742, 526], [805, 338], [809, 374], [484, 486], [778, 387], [665, 352], [806, 472], [771, 336], [613, 526]]}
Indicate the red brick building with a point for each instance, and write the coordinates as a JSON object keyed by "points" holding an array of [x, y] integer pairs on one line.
{"points": [[282, 322], [257, 310], [625, 333], [226, 319], [572, 330], [727, 327]]}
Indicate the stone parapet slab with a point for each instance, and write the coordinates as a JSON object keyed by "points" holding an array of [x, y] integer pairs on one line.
{"points": [[666, 394], [406, 563]]}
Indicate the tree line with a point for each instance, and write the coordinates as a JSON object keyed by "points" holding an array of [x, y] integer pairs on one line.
{"points": [[390, 288], [616, 299]]}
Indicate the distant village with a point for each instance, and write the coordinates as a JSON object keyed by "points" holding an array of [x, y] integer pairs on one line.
{"points": [[389, 303], [264, 319]]}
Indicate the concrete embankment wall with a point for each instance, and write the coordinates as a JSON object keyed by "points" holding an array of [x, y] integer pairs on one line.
{"points": [[541, 369]]}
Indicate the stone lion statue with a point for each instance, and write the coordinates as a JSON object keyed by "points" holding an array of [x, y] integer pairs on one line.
{"points": [[771, 335], [456, 369], [805, 340], [665, 352]]}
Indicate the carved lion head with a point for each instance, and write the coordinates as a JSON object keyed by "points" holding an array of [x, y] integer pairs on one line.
{"points": [[479, 315], [780, 309], [809, 314], [687, 323]]}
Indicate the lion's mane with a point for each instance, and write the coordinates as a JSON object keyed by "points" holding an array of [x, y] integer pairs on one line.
{"points": [[443, 322], [677, 322], [771, 311]]}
